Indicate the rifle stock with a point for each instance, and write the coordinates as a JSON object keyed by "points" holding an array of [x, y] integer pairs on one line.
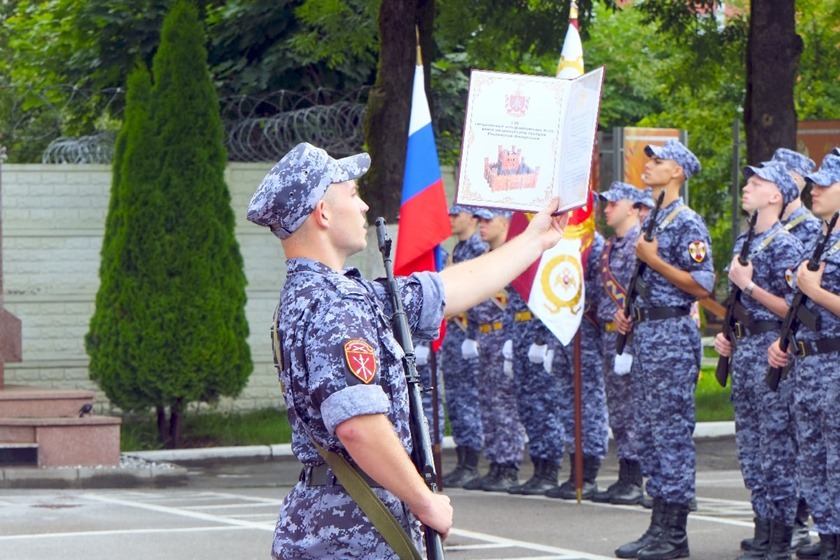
{"points": [[422, 444], [638, 268], [791, 322], [724, 364]]}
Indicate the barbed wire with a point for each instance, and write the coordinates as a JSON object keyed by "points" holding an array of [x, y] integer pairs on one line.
{"points": [[257, 128]]}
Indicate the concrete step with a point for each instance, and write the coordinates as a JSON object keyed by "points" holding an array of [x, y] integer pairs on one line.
{"points": [[17, 401], [63, 441]]}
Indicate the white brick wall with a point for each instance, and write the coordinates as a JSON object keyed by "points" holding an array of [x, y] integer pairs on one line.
{"points": [[53, 221]]}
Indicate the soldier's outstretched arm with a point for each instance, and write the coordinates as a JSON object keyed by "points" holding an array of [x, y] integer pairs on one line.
{"points": [[471, 282], [373, 444]]}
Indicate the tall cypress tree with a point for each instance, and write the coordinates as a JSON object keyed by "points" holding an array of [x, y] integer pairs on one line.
{"points": [[182, 285]]}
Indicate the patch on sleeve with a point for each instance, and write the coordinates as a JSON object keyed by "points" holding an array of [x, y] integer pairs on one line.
{"points": [[697, 250], [361, 360], [789, 277]]}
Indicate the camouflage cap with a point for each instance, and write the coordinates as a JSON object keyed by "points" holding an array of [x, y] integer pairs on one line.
{"points": [[674, 150], [290, 191], [622, 191], [776, 172], [490, 213], [646, 199], [456, 209], [828, 173], [835, 151], [794, 161]]}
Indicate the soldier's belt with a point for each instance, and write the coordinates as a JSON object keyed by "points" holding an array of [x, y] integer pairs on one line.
{"points": [[489, 327], [322, 475], [821, 346], [522, 316], [656, 313], [752, 328], [609, 327]]}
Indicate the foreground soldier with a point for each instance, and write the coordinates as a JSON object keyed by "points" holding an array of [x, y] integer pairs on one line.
{"points": [[614, 270], [764, 425], [796, 218], [815, 373], [460, 360], [340, 366], [666, 352]]}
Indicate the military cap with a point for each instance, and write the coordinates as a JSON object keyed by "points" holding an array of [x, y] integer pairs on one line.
{"points": [[794, 161], [674, 150], [835, 151], [456, 209], [290, 191], [622, 191], [646, 199], [490, 213], [775, 172], [828, 173]]}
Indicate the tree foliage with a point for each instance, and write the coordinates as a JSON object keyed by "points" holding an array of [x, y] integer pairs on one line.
{"points": [[170, 326]]}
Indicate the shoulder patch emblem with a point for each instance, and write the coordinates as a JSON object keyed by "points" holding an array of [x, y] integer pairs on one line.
{"points": [[789, 277], [697, 250], [361, 360]]}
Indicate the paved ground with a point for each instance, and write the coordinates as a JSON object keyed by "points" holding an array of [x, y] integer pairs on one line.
{"points": [[227, 509]]}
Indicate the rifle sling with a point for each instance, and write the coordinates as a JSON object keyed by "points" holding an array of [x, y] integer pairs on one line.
{"points": [[370, 504]]}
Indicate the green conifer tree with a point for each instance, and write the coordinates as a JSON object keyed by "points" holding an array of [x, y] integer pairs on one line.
{"points": [[182, 285]]}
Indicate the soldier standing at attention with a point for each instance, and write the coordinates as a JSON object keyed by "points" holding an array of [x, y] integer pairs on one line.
{"points": [[340, 366], [666, 352], [460, 359], [816, 377], [504, 436], [796, 218], [614, 270], [764, 426]]}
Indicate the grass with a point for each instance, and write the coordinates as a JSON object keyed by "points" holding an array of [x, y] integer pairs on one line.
{"points": [[269, 426], [210, 429]]}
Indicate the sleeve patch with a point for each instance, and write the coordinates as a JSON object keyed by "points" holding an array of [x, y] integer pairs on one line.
{"points": [[789, 277], [361, 359], [697, 250]]}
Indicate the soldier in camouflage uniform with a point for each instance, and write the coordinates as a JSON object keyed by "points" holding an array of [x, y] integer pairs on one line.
{"points": [[815, 374], [460, 358], [537, 395], [339, 364], [796, 218], [594, 433], [666, 352], [615, 267], [763, 422], [504, 436]]}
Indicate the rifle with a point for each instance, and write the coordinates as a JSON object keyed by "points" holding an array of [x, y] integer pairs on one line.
{"points": [[724, 364], [792, 320], [638, 268], [422, 444]]}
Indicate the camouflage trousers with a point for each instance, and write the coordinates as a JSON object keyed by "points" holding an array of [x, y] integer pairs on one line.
{"points": [[461, 380], [621, 414]]}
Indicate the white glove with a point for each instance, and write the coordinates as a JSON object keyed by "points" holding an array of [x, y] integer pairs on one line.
{"points": [[469, 349], [548, 362], [537, 352], [508, 367], [421, 355], [623, 363], [507, 349]]}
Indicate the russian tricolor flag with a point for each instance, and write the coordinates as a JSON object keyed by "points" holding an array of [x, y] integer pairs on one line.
{"points": [[424, 216]]}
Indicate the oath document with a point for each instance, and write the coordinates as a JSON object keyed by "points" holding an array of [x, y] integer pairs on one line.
{"points": [[528, 139]]}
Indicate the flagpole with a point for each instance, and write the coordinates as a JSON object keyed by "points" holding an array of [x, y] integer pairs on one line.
{"points": [[578, 418]]}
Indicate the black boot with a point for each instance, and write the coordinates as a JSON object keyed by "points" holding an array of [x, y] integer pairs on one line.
{"points": [[506, 477], [478, 482], [829, 547], [567, 490], [760, 543], [604, 496], [779, 541], [801, 535], [456, 472], [654, 530], [673, 541], [809, 551], [544, 479], [631, 493], [468, 464]]}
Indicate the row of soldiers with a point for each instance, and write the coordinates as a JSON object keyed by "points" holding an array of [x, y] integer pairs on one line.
{"points": [[508, 380]]}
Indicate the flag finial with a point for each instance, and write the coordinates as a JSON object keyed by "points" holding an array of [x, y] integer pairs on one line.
{"points": [[419, 53], [573, 12]]}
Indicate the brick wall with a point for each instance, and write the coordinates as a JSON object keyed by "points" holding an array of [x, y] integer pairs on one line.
{"points": [[53, 221]]}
